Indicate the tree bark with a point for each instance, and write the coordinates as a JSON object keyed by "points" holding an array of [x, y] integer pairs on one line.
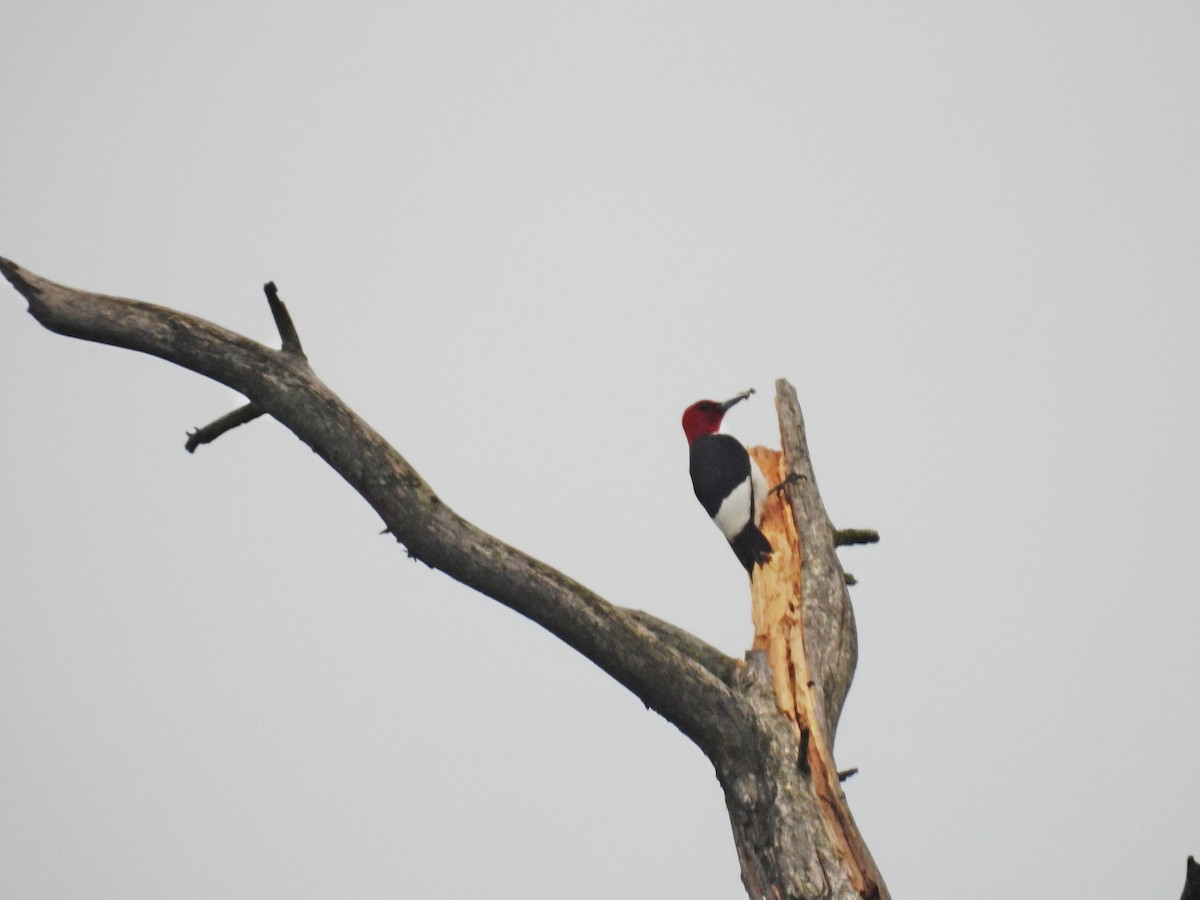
{"points": [[766, 724]]}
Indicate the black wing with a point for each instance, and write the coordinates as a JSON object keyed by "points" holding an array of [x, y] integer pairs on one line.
{"points": [[718, 464]]}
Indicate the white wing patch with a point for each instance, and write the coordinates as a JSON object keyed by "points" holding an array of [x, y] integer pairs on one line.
{"points": [[759, 480], [734, 513]]}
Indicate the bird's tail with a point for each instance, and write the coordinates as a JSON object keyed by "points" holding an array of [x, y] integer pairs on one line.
{"points": [[752, 547]]}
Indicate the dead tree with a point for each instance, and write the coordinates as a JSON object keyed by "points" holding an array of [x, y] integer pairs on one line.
{"points": [[767, 724]]}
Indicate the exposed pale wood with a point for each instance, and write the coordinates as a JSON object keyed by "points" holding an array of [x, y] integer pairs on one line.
{"points": [[778, 611], [775, 602], [829, 626], [774, 589]]}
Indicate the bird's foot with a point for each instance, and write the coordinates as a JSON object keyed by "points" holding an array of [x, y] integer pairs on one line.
{"points": [[794, 478]]}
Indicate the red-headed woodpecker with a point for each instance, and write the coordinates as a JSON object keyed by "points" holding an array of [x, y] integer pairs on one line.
{"points": [[728, 484]]}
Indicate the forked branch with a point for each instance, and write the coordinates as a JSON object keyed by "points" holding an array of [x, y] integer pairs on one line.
{"points": [[248, 413], [656, 665]]}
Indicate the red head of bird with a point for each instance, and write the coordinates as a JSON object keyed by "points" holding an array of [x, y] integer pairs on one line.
{"points": [[704, 417]]}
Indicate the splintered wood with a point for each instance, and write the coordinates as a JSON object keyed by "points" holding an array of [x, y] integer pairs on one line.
{"points": [[775, 601], [777, 607]]}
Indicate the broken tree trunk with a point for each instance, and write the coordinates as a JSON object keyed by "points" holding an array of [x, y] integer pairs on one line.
{"points": [[767, 725], [797, 676]]}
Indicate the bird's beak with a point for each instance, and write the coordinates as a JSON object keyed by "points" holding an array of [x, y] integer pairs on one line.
{"points": [[725, 407]]}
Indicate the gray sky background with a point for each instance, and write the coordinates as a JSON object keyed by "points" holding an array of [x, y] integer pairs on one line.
{"points": [[519, 239]]}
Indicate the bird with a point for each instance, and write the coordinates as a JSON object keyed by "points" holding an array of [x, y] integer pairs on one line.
{"points": [[729, 485]]}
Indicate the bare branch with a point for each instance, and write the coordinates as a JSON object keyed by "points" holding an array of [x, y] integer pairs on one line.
{"points": [[283, 321], [845, 537], [227, 422], [281, 384], [688, 644]]}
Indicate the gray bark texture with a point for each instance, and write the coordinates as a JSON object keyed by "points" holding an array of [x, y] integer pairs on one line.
{"points": [[793, 832]]}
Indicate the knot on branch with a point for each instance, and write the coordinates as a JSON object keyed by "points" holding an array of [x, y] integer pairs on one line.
{"points": [[746, 790]]}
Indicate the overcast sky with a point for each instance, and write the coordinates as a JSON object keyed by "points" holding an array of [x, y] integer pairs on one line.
{"points": [[519, 239]]}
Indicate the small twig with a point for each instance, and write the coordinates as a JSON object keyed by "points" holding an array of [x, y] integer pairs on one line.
{"points": [[283, 321], [214, 430], [847, 773], [844, 537]]}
